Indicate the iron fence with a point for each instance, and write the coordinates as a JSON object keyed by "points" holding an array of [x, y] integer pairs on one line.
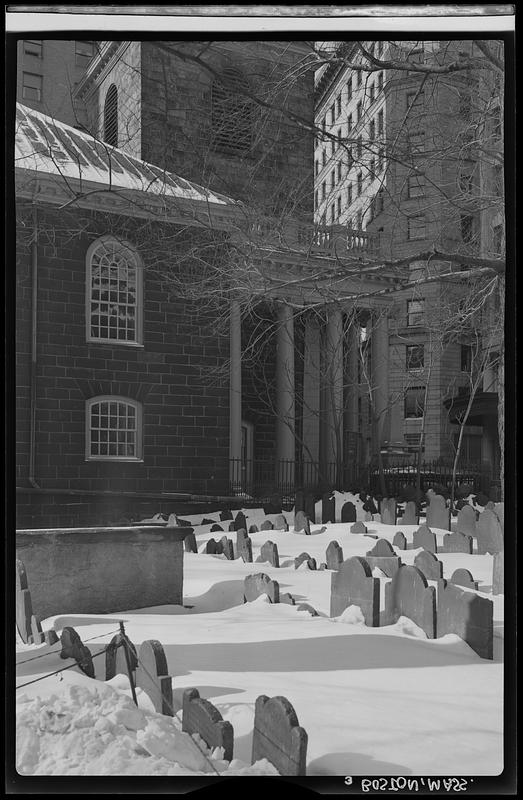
{"points": [[434, 473]]}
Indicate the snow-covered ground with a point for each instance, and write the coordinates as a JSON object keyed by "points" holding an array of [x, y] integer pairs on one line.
{"points": [[374, 701]]}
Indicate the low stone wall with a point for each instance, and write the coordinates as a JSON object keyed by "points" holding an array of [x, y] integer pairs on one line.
{"points": [[102, 570]]}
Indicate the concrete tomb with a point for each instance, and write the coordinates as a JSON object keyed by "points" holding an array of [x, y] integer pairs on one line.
{"points": [[431, 566], [226, 514], [73, 647], [258, 584], [409, 595], [425, 538], [203, 718], [278, 737], [353, 584], [24, 608], [468, 615], [287, 598], [306, 607], [334, 555], [253, 529], [213, 547]]}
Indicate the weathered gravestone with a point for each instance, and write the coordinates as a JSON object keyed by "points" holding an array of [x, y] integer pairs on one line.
{"points": [[431, 567], [288, 599], [353, 585], [278, 737], [206, 521], [306, 607], [240, 534], [266, 525], [328, 509], [239, 521], [489, 533], [458, 543], [226, 514], [202, 717], [244, 548], [388, 510], [213, 547], [258, 584], [367, 517], [189, 543], [463, 577], [437, 514], [216, 527], [302, 523], [227, 548], [73, 647], [466, 521], [280, 523], [468, 615], [152, 675], [409, 595], [24, 608], [425, 538], [298, 561], [498, 573], [39, 636], [253, 529], [358, 527], [348, 512], [376, 517], [410, 513], [334, 555], [400, 540], [383, 556], [269, 552]]}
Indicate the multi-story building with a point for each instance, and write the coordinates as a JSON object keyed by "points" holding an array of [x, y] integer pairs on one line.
{"points": [[48, 72], [398, 159]]}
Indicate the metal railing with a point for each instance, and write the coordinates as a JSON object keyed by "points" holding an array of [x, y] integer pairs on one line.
{"points": [[438, 472], [325, 239]]}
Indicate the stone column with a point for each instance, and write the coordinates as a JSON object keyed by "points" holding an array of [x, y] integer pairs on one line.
{"points": [[235, 393], [353, 383], [334, 395], [311, 398], [380, 374], [285, 400]]}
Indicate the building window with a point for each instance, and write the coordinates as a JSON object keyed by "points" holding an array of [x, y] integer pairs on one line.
{"points": [[114, 293], [415, 356], [371, 93], [84, 52], [333, 213], [333, 147], [372, 168], [359, 147], [380, 81], [349, 89], [33, 47], [359, 77], [467, 228], [360, 183], [323, 190], [338, 106], [316, 167], [32, 86], [380, 201], [381, 157], [470, 446], [465, 357], [349, 124], [113, 429], [416, 186], [349, 194], [315, 199], [359, 111], [111, 116], [324, 157], [415, 312], [417, 142], [339, 206], [372, 130], [380, 122], [415, 100], [333, 117], [339, 136], [232, 112], [333, 179], [416, 228], [339, 172], [497, 239], [324, 124], [415, 402]]}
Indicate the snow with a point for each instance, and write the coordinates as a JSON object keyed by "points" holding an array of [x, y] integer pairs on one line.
{"points": [[374, 701]]}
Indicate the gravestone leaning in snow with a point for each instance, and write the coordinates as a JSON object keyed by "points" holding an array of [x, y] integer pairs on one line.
{"points": [[266, 525], [468, 615], [202, 717], [278, 737], [298, 561], [302, 523], [463, 577], [152, 675], [353, 585], [280, 523], [258, 584], [225, 514], [240, 521], [388, 510], [466, 521], [189, 543], [244, 548], [409, 595], [334, 555], [400, 540], [425, 538], [410, 514], [358, 527], [431, 567], [458, 543], [328, 509], [269, 552], [348, 512], [227, 548], [73, 647], [437, 514], [489, 533], [383, 556], [498, 573]]}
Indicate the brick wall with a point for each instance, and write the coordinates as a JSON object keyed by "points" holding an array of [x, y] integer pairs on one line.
{"points": [[185, 405]]}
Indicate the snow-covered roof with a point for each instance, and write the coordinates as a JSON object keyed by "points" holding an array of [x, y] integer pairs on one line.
{"points": [[46, 145]]}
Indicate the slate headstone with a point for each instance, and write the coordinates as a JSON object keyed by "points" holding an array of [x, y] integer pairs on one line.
{"points": [[306, 607], [410, 514], [463, 577], [468, 615], [266, 525], [499, 511], [278, 737], [244, 549], [151, 675], [253, 529], [73, 647], [388, 510], [437, 514], [358, 527], [280, 523], [298, 561], [302, 523], [383, 556], [212, 547], [202, 717], [431, 566], [458, 543], [239, 521], [23, 604], [353, 585], [498, 573], [258, 584], [269, 552], [216, 527], [425, 538], [466, 521], [489, 533], [226, 514], [287, 598], [328, 509], [334, 555], [400, 540], [227, 548], [409, 595], [348, 512], [189, 543], [206, 521]]}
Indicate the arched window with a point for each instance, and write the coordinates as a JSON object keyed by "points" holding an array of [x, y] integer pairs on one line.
{"points": [[114, 293], [113, 429], [111, 116], [232, 112]]}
